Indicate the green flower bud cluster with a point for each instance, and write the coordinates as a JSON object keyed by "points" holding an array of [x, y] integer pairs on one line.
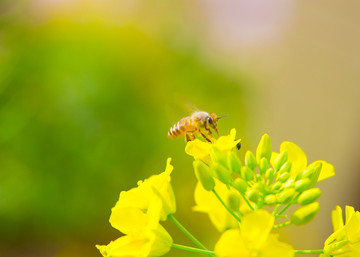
{"points": [[265, 179]]}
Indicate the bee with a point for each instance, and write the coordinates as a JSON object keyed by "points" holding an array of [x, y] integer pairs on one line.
{"points": [[199, 122]]}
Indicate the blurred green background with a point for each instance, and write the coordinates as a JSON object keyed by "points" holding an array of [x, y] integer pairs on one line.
{"points": [[89, 89]]}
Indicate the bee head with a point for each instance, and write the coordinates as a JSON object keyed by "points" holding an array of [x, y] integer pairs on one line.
{"points": [[212, 121]]}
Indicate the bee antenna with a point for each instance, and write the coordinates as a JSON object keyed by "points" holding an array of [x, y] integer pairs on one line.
{"points": [[221, 117]]}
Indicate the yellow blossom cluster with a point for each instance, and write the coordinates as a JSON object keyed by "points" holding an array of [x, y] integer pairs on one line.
{"points": [[233, 194], [137, 214]]}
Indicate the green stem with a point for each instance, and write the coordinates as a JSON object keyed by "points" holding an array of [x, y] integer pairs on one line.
{"points": [[309, 251], [192, 249], [226, 207], [288, 205], [245, 199], [186, 232], [276, 209], [287, 223]]}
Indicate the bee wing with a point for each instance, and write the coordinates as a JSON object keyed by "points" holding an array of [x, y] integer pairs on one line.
{"points": [[180, 106], [191, 107]]}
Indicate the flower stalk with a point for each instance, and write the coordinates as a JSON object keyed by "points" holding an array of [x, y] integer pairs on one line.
{"points": [[186, 232]]}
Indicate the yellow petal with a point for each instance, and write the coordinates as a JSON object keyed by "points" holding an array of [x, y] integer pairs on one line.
{"points": [[141, 196], [207, 202], [337, 218], [274, 247], [231, 244], [162, 243], [226, 143], [349, 212], [327, 170], [153, 213], [256, 226], [353, 228], [355, 250], [200, 150], [126, 246], [296, 156], [128, 220]]}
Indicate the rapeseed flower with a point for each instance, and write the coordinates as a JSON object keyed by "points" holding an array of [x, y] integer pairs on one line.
{"points": [[137, 214], [141, 196], [201, 150], [253, 239], [144, 235], [345, 241]]}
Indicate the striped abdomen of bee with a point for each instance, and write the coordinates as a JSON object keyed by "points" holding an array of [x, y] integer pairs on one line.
{"points": [[180, 128]]}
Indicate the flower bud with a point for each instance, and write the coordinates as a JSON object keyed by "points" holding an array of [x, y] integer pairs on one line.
{"points": [[233, 162], [250, 160], [302, 184], [233, 202], [284, 177], [309, 196], [280, 160], [264, 148], [254, 195], [304, 174], [264, 165], [286, 167], [286, 196], [305, 214], [222, 173], [270, 200], [240, 185], [218, 156], [247, 173], [270, 174], [289, 184], [276, 186], [258, 177], [204, 175], [315, 177]]}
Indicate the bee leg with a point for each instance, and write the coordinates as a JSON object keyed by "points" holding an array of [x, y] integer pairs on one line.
{"points": [[209, 133], [187, 137], [205, 137]]}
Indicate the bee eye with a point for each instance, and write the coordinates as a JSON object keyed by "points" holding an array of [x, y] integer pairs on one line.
{"points": [[210, 120]]}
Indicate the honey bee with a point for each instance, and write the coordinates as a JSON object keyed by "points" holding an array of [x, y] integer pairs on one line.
{"points": [[199, 122]]}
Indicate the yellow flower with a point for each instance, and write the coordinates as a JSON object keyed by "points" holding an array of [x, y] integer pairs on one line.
{"points": [[200, 150], [145, 236], [137, 214], [141, 196], [345, 241], [298, 161], [208, 203], [253, 239]]}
